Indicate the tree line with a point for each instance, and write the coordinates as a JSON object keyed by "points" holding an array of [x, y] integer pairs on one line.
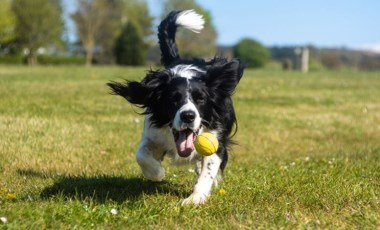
{"points": [[122, 32], [328, 58], [108, 31]]}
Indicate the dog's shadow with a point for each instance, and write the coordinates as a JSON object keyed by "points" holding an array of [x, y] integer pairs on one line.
{"points": [[105, 188]]}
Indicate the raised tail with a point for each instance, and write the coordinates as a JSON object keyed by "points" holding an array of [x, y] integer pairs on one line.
{"points": [[167, 29]]}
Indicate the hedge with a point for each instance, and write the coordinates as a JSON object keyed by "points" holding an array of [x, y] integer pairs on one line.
{"points": [[60, 60], [11, 59], [44, 60]]}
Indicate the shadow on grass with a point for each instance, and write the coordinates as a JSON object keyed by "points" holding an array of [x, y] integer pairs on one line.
{"points": [[104, 188]]}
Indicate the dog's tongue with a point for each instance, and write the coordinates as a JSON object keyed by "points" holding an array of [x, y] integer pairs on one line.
{"points": [[185, 145]]}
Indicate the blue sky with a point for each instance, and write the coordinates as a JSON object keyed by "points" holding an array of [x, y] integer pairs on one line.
{"points": [[326, 23]]}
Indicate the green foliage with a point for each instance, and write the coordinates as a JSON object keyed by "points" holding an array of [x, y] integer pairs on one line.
{"points": [[11, 59], [308, 155], [7, 22], [109, 28], [191, 44], [38, 23], [252, 53], [60, 60], [129, 47], [43, 60], [331, 60], [369, 62], [137, 12], [315, 65], [98, 23]]}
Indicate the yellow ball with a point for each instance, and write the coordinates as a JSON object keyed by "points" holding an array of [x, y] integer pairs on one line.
{"points": [[206, 144]]}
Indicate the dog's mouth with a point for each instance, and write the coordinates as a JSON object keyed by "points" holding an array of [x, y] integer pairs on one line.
{"points": [[184, 141]]}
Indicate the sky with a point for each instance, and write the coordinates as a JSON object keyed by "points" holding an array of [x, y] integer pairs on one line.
{"points": [[323, 23]]}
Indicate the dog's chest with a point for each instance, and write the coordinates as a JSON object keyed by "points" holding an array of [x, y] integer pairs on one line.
{"points": [[161, 143]]}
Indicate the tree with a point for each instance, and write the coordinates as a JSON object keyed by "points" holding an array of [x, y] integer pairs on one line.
{"points": [[369, 61], [7, 23], [110, 28], [137, 12], [331, 60], [189, 43], [38, 24], [129, 47], [91, 19], [252, 53], [99, 23]]}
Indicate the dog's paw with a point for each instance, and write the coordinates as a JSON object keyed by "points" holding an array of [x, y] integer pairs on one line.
{"points": [[195, 198], [154, 175], [154, 179]]}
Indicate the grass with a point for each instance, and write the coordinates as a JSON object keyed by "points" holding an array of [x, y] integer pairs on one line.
{"points": [[308, 154]]}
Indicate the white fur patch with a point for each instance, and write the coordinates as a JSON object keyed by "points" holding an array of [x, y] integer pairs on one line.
{"points": [[209, 175], [186, 71], [190, 20], [179, 125]]}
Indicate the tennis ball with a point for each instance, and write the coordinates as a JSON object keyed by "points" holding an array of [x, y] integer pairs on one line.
{"points": [[206, 144]]}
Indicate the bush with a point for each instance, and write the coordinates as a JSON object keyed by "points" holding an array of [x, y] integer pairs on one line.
{"points": [[43, 60], [287, 64], [331, 60], [60, 60], [369, 62], [11, 59], [315, 65], [252, 53], [129, 47]]}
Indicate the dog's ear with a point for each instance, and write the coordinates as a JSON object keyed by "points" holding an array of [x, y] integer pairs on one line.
{"points": [[141, 93], [224, 76]]}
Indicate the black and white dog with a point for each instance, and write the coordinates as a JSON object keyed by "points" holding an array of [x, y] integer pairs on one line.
{"points": [[185, 99]]}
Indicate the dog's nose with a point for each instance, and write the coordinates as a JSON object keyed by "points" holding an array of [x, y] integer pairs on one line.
{"points": [[188, 116]]}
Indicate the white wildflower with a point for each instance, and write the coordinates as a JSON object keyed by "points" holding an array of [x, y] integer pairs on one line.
{"points": [[3, 219], [114, 211]]}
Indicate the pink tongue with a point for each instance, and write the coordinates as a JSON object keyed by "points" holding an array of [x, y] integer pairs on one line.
{"points": [[185, 145]]}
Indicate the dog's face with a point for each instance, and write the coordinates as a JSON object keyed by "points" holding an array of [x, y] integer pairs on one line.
{"points": [[190, 107], [186, 98]]}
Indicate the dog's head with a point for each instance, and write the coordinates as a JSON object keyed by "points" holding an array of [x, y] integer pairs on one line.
{"points": [[185, 97]]}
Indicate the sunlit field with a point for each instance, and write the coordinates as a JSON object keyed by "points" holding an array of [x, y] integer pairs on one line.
{"points": [[308, 154]]}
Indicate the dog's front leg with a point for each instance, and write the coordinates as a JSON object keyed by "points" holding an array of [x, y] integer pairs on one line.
{"points": [[149, 160], [208, 175]]}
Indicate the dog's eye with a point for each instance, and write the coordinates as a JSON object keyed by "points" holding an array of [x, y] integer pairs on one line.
{"points": [[199, 99], [177, 97]]}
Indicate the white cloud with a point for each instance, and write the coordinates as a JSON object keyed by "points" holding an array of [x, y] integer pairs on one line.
{"points": [[375, 47]]}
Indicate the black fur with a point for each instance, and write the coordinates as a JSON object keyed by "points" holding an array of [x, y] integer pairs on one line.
{"points": [[166, 37]]}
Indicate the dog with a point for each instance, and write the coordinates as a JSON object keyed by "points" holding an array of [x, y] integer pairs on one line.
{"points": [[186, 98]]}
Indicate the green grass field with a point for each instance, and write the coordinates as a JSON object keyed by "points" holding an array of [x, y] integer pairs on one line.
{"points": [[308, 155]]}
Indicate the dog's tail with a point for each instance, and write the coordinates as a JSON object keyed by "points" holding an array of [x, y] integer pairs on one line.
{"points": [[188, 19]]}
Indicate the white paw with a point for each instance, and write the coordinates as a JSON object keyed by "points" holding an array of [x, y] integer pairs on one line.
{"points": [[156, 175], [195, 198]]}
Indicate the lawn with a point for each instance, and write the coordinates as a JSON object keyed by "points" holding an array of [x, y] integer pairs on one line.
{"points": [[308, 154]]}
